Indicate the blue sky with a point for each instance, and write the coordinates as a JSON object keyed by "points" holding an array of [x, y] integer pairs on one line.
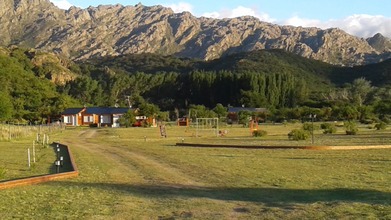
{"points": [[362, 18]]}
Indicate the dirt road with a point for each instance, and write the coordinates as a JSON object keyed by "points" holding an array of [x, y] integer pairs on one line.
{"points": [[128, 164]]}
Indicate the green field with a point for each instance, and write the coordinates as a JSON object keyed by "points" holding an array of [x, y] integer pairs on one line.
{"points": [[133, 173]]}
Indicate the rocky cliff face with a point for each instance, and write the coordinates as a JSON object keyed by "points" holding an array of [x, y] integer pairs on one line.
{"points": [[380, 43], [115, 29]]}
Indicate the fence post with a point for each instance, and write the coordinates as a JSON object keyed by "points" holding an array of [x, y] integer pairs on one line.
{"points": [[33, 152], [9, 131], [28, 157]]}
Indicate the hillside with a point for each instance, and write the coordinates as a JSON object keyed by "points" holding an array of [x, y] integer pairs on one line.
{"points": [[260, 61], [27, 93], [38, 84], [114, 30]]}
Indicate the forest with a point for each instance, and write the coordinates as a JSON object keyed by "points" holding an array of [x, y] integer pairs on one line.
{"points": [[37, 85]]}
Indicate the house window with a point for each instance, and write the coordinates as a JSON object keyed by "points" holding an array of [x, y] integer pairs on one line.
{"points": [[67, 119], [106, 119], [88, 119]]}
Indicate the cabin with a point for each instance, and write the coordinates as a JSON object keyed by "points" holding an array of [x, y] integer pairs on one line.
{"points": [[93, 116], [142, 120], [183, 121], [233, 117]]}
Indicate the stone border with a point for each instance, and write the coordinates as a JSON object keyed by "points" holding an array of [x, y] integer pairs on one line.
{"points": [[285, 147], [43, 178]]}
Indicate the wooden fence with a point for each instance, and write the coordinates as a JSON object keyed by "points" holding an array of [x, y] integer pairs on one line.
{"points": [[12, 131], [46, 178]]}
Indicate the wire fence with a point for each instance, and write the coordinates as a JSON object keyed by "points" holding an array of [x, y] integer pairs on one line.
{"points": [[14, 131]]}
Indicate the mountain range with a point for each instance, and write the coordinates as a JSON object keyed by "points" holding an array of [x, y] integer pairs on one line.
{"points": [[112, 30]]}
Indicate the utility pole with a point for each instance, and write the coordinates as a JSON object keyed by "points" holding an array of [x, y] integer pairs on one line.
{"points": [[127, 97], [312, 116]]}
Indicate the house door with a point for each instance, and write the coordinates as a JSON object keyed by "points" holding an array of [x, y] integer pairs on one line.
{"points": [[79, 122], [116, 121]]}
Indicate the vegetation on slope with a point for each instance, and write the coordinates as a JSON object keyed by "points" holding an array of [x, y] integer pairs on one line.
{"points": [[38, 84]]}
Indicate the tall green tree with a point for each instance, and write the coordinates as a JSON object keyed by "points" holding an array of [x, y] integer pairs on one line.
{"points": [[128, 119], [359, 90], [148, 109], [6, 107], [220, 110]]}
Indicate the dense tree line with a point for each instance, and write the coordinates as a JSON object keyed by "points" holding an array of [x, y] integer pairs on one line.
{"points": [[23, 96], [289, 86], [175, 90]]}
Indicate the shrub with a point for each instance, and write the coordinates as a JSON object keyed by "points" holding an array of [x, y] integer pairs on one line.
{"points": [[381, 126], [328, 128], [298, 134], [259, 133], [351, 128], [294, 121], [308, 126], [386, 119], [367, 121]]}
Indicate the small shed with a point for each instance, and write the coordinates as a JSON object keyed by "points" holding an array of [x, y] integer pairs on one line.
{"points": [[184, 121]]}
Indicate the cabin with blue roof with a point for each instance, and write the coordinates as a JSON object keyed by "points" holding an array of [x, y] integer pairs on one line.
{"points": [[88, 116]]}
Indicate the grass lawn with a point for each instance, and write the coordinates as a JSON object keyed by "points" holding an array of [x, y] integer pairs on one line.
{"points": [[14, 159], [133, 173]]}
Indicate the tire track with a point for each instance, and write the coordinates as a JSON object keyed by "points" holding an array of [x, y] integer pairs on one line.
{"points": [[131, 163]]}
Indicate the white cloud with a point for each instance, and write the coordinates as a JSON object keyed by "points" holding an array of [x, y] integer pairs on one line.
{"points": [[240, 11], [297, 21], [237, 12], [180, 7], [365, 25], [63, 4], [211, 14], [359, 25]]}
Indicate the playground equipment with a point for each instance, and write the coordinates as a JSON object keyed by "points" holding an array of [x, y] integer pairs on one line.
{"points": [[209, 125], [163, 130], [253, 126]]}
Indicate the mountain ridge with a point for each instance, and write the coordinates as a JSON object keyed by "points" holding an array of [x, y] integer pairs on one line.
{"points": [[115, 30]]}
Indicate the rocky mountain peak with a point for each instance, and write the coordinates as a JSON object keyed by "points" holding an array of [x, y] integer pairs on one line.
{"points": [[116, 29], [380, 43]]}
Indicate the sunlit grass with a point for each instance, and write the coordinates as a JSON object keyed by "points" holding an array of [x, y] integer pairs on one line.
{"points": [[14, 159], [134, 173]]}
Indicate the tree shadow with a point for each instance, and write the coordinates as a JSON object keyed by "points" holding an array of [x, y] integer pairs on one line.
{"points": [[268, 196]]}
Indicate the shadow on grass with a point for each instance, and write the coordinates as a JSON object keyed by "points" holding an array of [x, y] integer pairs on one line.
{"points": [[66, 165], [268, 196]]}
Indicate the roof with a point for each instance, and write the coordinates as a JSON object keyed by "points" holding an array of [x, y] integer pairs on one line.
{"points": [[240, 109], [72, 111], [96, 110]]}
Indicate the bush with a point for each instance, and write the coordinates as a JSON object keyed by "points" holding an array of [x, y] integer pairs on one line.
{"points": [[367, 121], [386, 119], [298, 134], [308, 126], [259, 133], [381, 126], [351, 128], [328, 128]]}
